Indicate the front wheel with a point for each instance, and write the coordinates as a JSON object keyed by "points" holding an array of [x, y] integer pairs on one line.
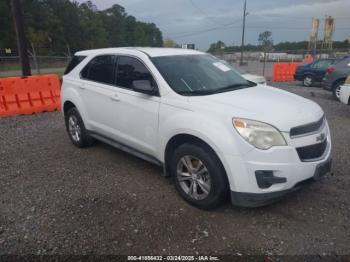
{"points": [[199, 176], [308, 81]]}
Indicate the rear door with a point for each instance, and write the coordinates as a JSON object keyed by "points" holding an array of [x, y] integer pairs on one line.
{"points": [[100, 96]]}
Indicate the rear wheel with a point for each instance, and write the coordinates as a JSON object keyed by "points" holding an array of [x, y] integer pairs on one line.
{"points": [[199, 176], [336, 89], [308, 81], [76, 129]]}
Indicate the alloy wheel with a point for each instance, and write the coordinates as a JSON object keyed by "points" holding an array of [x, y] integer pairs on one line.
{"points": [[74, 128], [193, 177], [307, 81], [337, 91]]}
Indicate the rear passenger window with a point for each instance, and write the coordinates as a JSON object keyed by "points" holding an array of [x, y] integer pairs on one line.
{"points": [[324, 64], [130, 69], [73, 63], [315, 64], [100, 69]]}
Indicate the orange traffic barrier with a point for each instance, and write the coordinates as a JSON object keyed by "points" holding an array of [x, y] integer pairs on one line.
{"points": [[29, 95], [284, 72]]}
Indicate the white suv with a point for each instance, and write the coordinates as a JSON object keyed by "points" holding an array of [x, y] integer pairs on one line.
{"points": [[214, 132]]}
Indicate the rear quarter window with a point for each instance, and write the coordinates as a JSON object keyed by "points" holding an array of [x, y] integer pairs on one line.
{"points": [[76, 60]]}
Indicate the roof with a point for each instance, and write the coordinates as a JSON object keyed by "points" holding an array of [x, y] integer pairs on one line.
{"points": [[150, 51]]}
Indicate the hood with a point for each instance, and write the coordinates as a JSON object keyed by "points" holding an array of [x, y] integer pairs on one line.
{"points": [[255, 78], [276, 107]]}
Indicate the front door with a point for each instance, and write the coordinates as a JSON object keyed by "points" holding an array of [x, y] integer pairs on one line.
{"points": [[138, 115]]}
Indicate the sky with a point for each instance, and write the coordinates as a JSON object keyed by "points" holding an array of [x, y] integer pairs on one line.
{"points": [[203, 22]]}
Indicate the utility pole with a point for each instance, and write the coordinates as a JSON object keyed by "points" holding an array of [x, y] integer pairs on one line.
{"points": [[243, 30], [21, 38]]}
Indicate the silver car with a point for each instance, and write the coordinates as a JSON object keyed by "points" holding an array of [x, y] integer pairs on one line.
{"points": [[336, 76]]}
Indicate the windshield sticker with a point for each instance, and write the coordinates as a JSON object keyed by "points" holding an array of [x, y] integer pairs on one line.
{"points": [[222, 66]]}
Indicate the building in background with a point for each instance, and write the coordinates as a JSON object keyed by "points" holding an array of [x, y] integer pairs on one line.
{"points": [[188, 46]]}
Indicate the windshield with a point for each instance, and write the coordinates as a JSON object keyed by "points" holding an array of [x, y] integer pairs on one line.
{"points": [[199, 74], [241, 71]]}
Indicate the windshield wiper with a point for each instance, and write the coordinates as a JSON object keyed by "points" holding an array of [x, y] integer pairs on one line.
{"points": [[196, 92], [232, 87], [213, 91]]}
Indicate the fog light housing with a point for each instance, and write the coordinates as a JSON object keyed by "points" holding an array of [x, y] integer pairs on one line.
{"points": [[266, 178]]}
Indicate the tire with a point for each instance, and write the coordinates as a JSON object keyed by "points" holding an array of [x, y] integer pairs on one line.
{"points": [[76, 129], [210, 172], [336, 89], [308, 80]]}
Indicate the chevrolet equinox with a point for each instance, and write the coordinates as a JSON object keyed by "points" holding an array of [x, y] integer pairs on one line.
{"points": [[214, 132]]}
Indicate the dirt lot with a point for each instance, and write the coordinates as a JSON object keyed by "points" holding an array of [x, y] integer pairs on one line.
{"points": [[57, 199]]}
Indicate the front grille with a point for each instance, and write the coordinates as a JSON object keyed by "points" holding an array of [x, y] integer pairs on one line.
{"points": [[306, 129], [311, 152]]}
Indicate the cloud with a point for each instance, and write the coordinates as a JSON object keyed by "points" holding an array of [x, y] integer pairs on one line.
{"points": [[180, 17]]}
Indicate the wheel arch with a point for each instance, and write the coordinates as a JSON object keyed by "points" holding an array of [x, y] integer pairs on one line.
{"points": [[312, 74], [183, 138], [338, 81], [67, 105]]}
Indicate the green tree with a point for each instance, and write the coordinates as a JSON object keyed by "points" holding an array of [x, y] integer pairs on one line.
{"points": [[169, 43], [266, 42], [56, 27], [7, 32], [219, 46]]}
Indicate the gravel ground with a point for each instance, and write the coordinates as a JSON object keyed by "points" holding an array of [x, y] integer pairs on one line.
{"points": [[57, 199]]}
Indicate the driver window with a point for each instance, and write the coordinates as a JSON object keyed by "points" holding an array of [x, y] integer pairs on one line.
{"points": [[130, 69]]}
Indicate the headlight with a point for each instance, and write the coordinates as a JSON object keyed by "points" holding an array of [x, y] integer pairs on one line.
{"points": [[258, 134]]}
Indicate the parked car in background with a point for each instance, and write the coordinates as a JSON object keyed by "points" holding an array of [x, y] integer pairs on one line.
{"points": [[336, 75], [345, 92], [257, 79], [214, 132], [313, 72]]}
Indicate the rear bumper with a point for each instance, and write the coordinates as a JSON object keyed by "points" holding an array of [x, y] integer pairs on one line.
{"points": [[242, 199]]}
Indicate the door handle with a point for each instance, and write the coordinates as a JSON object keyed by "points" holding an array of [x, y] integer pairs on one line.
{"points": [[115, 97], [82, 86]]}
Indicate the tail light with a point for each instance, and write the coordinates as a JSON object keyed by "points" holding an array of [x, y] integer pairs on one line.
{"points": [[330, 70]]}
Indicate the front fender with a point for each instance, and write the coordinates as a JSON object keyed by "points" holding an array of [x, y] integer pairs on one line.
{"points": [[217, 131]]}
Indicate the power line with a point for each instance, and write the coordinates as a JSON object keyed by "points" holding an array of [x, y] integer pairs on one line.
{"points": [[200, 10], [229, 25], [297, 17], [291, 28]]}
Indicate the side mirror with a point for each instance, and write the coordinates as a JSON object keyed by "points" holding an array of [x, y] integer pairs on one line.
{"points": [[144, 86]]}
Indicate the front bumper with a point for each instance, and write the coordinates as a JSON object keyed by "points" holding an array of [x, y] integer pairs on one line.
{"points": [[299, 77], [263, 199], [283, 161]]}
